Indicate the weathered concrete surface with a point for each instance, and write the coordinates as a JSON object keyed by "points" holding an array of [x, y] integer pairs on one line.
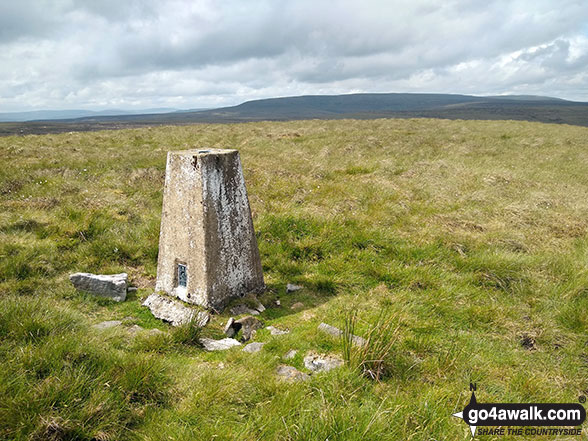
{"points": [[336, 332], [206, 225], [321, 363], [174, 311], [219, 345], [113, 286]]}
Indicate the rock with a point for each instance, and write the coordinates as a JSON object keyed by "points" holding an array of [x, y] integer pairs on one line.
{"points": [[290, 354], [253, 347], [135, 329], [132, 289], [291, 287], [297, 305], [229, 329], [175, 311], [243, 309], [291, 374], [276, 331], [107, 324], [248, 325], [219, 345], [259, 307], [318, 363], [113, 286], [278, 303], [336, 332]]}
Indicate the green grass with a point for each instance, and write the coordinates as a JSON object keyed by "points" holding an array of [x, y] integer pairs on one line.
{"points": [[471, 235]]}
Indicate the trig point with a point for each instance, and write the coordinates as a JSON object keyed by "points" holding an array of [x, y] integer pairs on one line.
{"points": [[207, 248]]}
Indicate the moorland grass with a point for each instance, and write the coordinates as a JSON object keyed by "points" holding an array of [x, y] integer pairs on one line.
{"points": [[470, 234]]}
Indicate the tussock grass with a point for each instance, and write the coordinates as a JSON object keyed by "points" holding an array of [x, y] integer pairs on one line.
{"points": [[471, 235]]}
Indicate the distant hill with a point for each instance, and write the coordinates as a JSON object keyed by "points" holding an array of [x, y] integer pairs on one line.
{"points": [[356, 106], [45, 115]]}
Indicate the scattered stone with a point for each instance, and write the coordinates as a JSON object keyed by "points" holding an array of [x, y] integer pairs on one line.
{"points": [[248, 325], [243, 309], [290, 354], [229, 329], [278, 303], [174, 311], [291, 374], [336, 332], [219, 345], [253, 347], [113, 286], [107, 324], [259, 307], [290, 287], [276, 331], [297, 305], [135, 329], [318, 363], [155, 331], [132, 289]]}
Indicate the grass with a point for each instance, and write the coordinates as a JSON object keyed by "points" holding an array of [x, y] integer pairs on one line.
{"points": [[470, 234]]}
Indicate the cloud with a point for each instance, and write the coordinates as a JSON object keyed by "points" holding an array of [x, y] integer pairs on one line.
{"points": [[83, 53]]}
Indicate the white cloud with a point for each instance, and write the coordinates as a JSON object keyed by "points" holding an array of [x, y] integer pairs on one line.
{"points": [[132, 54]]}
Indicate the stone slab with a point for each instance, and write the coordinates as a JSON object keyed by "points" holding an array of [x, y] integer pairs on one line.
{"points": [[219, 345], [174, 311], [112, 286]]}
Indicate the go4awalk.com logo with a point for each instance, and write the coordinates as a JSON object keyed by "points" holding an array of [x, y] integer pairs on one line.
{"points": [[523, 419]]}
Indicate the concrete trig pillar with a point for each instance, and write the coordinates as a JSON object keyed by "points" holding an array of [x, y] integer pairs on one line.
{"points": [[207, 247]]}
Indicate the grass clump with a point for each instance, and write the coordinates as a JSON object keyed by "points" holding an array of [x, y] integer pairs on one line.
{"points": [[371, 355]]}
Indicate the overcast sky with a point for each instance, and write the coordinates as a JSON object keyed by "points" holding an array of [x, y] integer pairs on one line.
{"points": [[125, 54]]}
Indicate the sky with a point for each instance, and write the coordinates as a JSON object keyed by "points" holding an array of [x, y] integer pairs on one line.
{"points": [[128, 54]]}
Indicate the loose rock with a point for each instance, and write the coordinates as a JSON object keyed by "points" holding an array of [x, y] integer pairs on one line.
{"points": [[107, 324], [253, 347], [290, 287], [243, 309], [318, 363], [291, 374], [174, 311], [248, 325], [219, 345], [297, 305], [290, 354], [336, 332], [276, 331], [229, 329], [113, 286]]}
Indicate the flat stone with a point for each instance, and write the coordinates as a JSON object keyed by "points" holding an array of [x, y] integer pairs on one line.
{"points": [[174, 311], [318, 363], [219, 345], [107, 324], [243, 309], [276, 331], [290, 287], [336, 332], [291, 374], [297, 305], [253, 347], [113, 286], [229, 329], [248, 325], [290, 354], [135, 329]]}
